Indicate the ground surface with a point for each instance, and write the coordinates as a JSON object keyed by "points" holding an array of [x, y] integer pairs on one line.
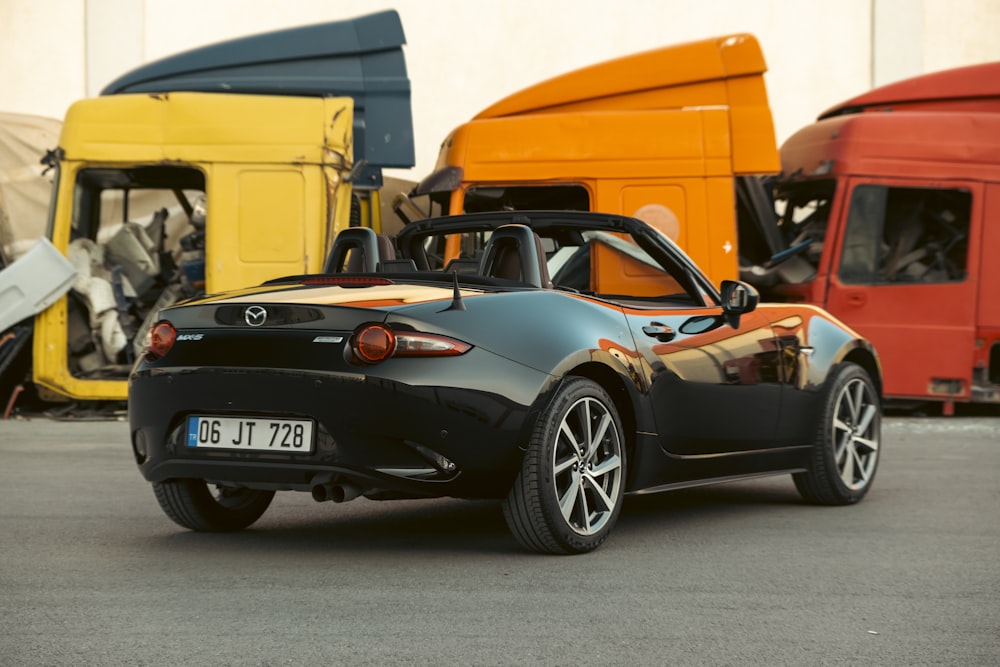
{"points": [[92, 573]]}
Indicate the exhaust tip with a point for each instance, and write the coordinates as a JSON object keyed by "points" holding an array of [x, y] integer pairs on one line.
{"points": [[338, 493], [341, 493]]}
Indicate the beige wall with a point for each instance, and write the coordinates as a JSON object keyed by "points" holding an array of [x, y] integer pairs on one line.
{"points": [[462, 55]]}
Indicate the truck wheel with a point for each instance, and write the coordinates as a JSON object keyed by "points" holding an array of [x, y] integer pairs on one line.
{"points": [[190, 503], [848, 439], [569, 492]]}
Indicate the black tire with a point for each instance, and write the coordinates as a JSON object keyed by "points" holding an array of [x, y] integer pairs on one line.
{"points": [[556, 467], [190, 503], [846, 450]]}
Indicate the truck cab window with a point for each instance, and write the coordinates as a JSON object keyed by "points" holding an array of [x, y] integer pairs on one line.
{"points": [[527, 198], [803, 211], [906, 235], [138, 243]]}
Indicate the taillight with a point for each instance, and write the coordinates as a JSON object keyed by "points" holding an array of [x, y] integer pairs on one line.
{"points": [[373, 343], [160, 339]]}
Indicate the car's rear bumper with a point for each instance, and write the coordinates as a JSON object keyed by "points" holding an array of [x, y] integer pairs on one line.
{"points": [[383, 436]]}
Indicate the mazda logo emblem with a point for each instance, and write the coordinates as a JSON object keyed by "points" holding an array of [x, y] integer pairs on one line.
{"points": [[255, 316]]}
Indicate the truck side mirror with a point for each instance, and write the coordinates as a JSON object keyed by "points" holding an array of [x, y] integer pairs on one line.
{"points": [[738, 298]]}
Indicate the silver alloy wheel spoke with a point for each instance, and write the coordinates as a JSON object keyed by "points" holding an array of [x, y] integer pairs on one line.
{"points": [[598, 437], [605, 502], [568, 432], [588, 439], [847, 467], [859, 465], [841, 449], [583, 509], [567, 503], [859, 389], [587, 466], [565, 464], [870, 445], [606, 466], [866, 419]]}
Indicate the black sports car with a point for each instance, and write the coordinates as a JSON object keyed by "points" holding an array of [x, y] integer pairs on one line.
{"points": [[554, 360]]}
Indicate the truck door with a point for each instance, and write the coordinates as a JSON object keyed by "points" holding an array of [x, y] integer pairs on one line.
{"points": [[906, 279]]}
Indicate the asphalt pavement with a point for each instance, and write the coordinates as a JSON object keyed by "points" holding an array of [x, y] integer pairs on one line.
{"points": [[93, 573]]}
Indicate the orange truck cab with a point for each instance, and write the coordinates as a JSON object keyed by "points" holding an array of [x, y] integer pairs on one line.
{"points": [[889, 206], [674, 136]]}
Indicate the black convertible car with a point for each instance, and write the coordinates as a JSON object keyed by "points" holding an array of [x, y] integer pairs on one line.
{"points": [[554, 360]]}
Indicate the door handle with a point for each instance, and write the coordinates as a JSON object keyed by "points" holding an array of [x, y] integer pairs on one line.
{"points": [[856, 298], [660, 332]]}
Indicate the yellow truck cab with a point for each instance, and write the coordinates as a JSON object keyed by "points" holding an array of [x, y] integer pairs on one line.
{"points": [[210, 170], [673, 136]]}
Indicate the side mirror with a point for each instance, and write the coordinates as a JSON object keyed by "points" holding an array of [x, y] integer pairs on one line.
{"points": [[738, 298]]}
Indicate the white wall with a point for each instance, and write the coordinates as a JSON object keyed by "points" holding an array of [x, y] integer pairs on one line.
{"points": [[462, 55]]}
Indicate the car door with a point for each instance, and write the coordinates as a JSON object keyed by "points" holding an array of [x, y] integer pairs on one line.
{"points": [[713, 387]]}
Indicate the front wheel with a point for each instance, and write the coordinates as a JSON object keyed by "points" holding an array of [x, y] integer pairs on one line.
{"points": [[191, 504], [569, 492], [848, 440]]}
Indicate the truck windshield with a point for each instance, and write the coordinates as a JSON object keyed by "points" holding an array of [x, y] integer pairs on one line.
{"points": [[803, 211], [137, 240]]}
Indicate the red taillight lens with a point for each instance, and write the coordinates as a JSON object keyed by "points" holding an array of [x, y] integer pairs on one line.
{"points": [[373, 343], [160, 339]]}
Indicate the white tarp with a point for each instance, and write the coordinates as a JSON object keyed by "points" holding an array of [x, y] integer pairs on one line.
{"points": [[24, 192]]}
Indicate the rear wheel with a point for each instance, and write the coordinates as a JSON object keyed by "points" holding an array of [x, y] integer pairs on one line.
{"points": [[848, 440], [190, 503], [569, 492]]}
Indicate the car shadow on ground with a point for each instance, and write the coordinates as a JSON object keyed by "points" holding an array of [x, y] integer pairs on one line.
{"points": [[364, 526], [449, 525]]}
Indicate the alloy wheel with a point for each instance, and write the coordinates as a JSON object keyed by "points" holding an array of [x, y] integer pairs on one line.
{"points": [[587, 466], [856, 434]]}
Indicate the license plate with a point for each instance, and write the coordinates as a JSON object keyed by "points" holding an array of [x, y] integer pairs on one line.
{"points": [[259, 434]]}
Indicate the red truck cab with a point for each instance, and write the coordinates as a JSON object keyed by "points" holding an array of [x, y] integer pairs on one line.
{"points": [[890, 208]]}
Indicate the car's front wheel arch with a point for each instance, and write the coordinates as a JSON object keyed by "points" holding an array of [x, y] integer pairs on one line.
{"points": [[867, 361]]}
